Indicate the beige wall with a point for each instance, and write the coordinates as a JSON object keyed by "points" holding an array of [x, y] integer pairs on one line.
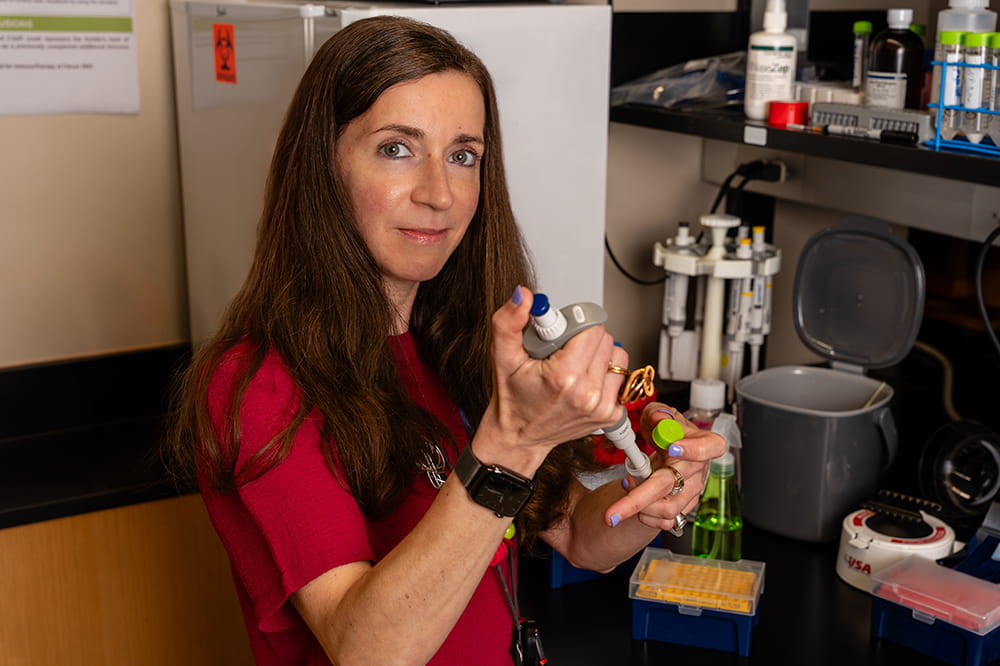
{"points": [[92, 260], [91, 251], [654, 181]]}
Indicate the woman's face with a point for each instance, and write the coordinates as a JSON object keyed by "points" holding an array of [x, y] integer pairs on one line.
{"points": [[411, 167]]}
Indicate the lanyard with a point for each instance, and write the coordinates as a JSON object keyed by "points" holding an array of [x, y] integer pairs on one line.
{"points": [[510, 591]]}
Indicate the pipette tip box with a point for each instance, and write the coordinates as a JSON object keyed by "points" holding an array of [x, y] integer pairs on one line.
{"points": [[695, 601], [949, 615]]}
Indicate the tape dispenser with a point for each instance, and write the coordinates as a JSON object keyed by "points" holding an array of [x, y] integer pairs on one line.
{"points": [[887, 529]]}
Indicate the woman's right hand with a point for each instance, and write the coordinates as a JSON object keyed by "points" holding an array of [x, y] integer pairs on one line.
{"points": [[537, 404]]}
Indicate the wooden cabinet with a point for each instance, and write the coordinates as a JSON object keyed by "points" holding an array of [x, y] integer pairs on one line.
{"points": [[142, 585]]}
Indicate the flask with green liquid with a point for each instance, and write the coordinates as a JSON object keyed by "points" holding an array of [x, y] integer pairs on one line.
{"points": [[718, 529]]}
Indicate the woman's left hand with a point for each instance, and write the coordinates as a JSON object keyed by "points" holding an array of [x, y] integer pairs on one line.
{"points": [[651, 501]]}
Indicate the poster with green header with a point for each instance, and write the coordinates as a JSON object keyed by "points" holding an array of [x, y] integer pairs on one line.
{"points": [[68, 56]]}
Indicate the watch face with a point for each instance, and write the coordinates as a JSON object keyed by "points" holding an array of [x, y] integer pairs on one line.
{"points": [[502, 493]]}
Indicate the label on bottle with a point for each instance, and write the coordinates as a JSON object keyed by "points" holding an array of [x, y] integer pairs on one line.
{"points": [[886, 89], [770, 72]]}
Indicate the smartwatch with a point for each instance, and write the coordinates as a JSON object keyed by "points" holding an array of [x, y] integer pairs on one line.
{"points": [[498, 489]]}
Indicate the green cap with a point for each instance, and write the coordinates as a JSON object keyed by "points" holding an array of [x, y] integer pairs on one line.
{"points": [[862, 26], [976, 38], [951, 37], [667, 432], [995, 40]]}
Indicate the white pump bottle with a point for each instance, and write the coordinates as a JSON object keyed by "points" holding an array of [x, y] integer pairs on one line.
{"points": [[770, 63]]}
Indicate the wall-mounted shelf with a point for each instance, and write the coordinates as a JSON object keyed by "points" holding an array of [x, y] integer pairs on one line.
{"points": [[731, 125]]}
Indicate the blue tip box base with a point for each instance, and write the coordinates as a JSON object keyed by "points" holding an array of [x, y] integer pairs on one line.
{"points": [[941, 640], [687, 625]]}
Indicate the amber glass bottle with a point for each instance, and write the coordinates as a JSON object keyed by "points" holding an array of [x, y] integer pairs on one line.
{"points": [[895, 66]]}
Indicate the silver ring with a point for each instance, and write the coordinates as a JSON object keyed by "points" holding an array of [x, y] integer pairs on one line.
{"points": [[679, 522], [678, 482]]}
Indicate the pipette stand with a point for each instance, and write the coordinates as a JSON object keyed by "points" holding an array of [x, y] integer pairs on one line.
{"points": [[711, 340]]}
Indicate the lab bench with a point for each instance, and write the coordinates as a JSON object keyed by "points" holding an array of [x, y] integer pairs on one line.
{"points": [[807, 615], [94, 491]]}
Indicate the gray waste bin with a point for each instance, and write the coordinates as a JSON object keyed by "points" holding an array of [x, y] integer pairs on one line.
{"points": [[815, 439]]}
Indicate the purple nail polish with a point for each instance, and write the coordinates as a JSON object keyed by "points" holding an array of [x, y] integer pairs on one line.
{"points": [[625, 484], [516, 298], [615, 519], [675, 451], [667, 412]]}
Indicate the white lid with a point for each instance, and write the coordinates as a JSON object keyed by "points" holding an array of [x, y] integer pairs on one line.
{"points": [[708, 393], [969, 4], [775, 17], [899, 19]]}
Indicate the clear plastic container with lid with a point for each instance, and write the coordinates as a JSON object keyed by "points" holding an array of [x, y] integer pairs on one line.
{"points": [[945, 594], [695, 601]]}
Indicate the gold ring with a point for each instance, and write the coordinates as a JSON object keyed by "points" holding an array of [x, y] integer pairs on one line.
{"points": [[678, 481], [639, 385], [617, 369]]}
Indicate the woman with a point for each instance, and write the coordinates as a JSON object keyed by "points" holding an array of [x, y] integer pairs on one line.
{"points": [[376, 344]]}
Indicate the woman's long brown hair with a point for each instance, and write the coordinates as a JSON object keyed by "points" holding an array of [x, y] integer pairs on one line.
{"points": [[314, 292]]}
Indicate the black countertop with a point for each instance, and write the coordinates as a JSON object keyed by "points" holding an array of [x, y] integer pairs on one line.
{"points": [[68, 472], [84, 435], [807, 615]]}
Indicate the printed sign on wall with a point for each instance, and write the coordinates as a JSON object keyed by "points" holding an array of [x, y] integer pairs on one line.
{"points": [[71, 56]]}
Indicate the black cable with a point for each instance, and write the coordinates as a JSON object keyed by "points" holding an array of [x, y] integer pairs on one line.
{"points": [[723, 190], [754, 170], [980, 262], [624, 272]]}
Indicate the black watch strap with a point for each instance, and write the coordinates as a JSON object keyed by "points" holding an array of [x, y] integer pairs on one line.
{"points": [[467, 466], [499, 489]]}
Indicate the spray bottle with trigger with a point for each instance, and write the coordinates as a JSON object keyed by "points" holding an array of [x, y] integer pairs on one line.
{"points": [[550, 330]]}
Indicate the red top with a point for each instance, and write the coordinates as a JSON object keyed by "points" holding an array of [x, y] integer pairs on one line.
{"points": [[297, 521]]}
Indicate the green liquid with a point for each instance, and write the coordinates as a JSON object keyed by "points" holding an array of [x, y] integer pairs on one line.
{"points": [[719, 537]]}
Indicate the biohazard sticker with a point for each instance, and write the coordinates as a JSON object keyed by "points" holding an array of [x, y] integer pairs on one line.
{"points": [[225, 52]]}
